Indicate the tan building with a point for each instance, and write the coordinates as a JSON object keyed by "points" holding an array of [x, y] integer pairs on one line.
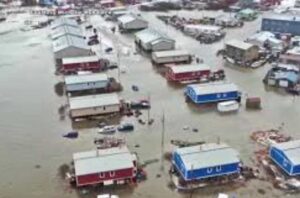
{"points": [[92, 105], [241, 51]]}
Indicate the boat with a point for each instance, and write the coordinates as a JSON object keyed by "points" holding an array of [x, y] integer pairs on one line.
{"points": [[107, 196], [228, 106], [72, 135], [107, 129], [126, 127]]}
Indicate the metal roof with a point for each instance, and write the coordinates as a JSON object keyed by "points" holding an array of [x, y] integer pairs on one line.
{"points": [[102, 160], [264, 36], [239, 44], [150, 35], [129, 18], [212, 88], [64, 29], [168, 53], [69, 41], [63, 21], [80, 59], [85, 78], [291, 149], [207, 155], [91, 101], [189, 68], [282, 17]]}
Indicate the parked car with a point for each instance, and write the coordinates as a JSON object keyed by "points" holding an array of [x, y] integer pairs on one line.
{"points": [[126, 127], [93, 42], [107, 129]]}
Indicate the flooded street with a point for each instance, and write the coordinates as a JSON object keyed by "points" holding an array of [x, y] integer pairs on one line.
{"points": [[31, 144]]}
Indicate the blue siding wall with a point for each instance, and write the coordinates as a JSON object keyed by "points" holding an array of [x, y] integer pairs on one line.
{"points": [[296, 170], [217, 97], [213, 171], [87, 86], [191, 94], [281, 26], [279, 158], [179, 164]]}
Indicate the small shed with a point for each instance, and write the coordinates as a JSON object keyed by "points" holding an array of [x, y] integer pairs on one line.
{"points": [[70, 46], [92, 105], [86, 82], [64, 21], [241, 51], [66, 30], [206, 161], [188, 72], [152, 40], [286, 156], [72, 65], [171, 56], [130, 22], [212, 92], [105, 166]]}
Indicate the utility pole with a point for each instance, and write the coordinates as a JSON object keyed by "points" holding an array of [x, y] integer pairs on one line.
{"points": [[162, 140], [149, 108], [119, 62]]}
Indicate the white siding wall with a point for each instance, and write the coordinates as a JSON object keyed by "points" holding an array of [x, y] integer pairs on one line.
{"points": [[87, 86], [136, 24], [163, 45], [95, 111]]}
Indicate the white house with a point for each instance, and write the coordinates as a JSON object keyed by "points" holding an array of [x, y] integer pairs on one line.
{"points": [[131, 22], [93, 105], [152, 40], [70, 46], [66, 30], [85, 82]]}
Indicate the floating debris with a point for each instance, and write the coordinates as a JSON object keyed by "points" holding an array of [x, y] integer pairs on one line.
{"points": [[181, 143], [268, 137]]}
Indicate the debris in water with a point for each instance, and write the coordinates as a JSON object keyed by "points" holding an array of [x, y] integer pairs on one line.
{"points": [[261, 191], [37, 166]]}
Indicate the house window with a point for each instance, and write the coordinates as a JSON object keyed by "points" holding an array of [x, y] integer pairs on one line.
{"points": [[112, 173], [102, 175], [218, 168], [104, 108]]}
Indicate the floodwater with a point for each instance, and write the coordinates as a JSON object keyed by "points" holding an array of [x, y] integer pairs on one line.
{"points": [[31, 146]]}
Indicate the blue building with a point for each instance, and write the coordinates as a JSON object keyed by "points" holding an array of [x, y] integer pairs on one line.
{"points": [[47, 2], [212, 92], [281, 24], [206, 161], [85, 82], [287, 156]]}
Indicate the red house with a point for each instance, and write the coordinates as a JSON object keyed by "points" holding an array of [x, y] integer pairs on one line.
{"points": [[181, 73], [87, 63], [105, 166]]}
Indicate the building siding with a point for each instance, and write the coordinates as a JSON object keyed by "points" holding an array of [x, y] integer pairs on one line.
{"points": [[101, 177], [279, 158], [87, 86], [94, 111], [224, 169], [281, 26], [75, 67], [163, 45]]}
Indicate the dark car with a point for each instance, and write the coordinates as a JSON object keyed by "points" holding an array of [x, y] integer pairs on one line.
{"points": [[126, 127], [93, 42]]}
